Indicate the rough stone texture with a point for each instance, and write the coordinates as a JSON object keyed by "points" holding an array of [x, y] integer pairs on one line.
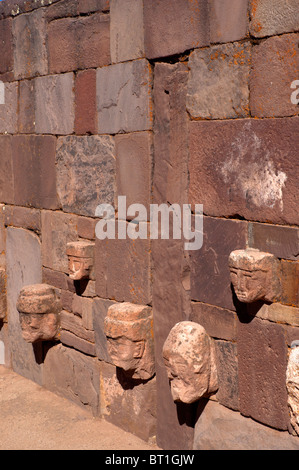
{"points": [[271, 17], [86, 228], [23, 217], [85, 173], [174, 26], [6, 46], [34, 171], [290, 283], [210, 275], [81, 259], [30, 51], [2, 234], [88, 6], [59, 280], [10, 8], [132, 408], [9, 110], [3, 301], [99, 312], [74, 376], [277, 313], [218, 322], [6, 170], [85, 102], [24, 267], [132, 259], [228, 20], [127, 33], [218, 82], [26, 107], [227, 372], [292, 381], [78, 43], [219, 428], [73, 333], [229, 177], [124, 97], [282, 242], [57, 230], [275, 65], [262, 358], [134, 168], [54, 102]]}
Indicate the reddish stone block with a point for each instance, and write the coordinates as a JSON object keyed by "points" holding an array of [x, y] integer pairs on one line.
{"points": [[271, 17], [218, 322], [23, 217], [262, 358], [90, 6], [9, 109], [210, 275], [175, 26], [86, 228], [274, 67], [78, 43], [229, 177], [290, 283], [6, 170], [26, 107], [227, 372], [282, 242], [85, 102], [228, 20], [6, 46], [62, 9]]}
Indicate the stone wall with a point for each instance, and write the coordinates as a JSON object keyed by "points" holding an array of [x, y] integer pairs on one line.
{"points": [[165, 101]]}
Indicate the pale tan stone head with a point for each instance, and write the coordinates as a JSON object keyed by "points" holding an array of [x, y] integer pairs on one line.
{"points": [[189, 357], [129, 332], [39, 308], [80, 259], [292, 383], [255, 275]]}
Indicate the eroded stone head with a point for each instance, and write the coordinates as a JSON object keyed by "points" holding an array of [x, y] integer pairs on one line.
{"points": [[39, 308], [80, 259], [255, 275], [189, 357], [292, 382], [129, 332]]}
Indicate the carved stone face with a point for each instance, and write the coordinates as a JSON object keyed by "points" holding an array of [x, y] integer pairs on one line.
{"points": [[188, 355], [254, 275], [39, 309], [80, 259], [292, 382], [129, 332]]}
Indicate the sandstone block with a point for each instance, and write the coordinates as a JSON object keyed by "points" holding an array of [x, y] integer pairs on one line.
{"points": [[290, 283], [124, 97], [6, 170], [228, 20], [9, 110], [281, 241], [85, 102], [86, 228], [85, 173], [54, 104], [271, 17], [218, 86], [274, 67], [175, 26], [127, 32], [27, 107], [6, 46], [227, 372], [79, 43], [89, 6], [228, 176], [99, 312], [73, 333], [218, 322], [30, 52], [3, 302]]}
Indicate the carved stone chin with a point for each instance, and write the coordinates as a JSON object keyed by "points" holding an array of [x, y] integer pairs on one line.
{"points": [[189, 357], [255, 275], [80, 259], [39, 309], [129, 332]]}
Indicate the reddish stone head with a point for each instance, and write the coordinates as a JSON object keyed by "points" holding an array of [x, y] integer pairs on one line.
{"points": [[81, 259]]}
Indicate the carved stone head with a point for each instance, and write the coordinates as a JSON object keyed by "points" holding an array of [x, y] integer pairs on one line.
{"points": [[81, 259], [255, 275], [129, 332], [189, 357], [39, 310], [292, 382]]}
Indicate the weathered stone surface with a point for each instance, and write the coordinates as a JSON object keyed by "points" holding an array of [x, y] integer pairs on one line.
{"points": [[262, 358], [218, 86], [57, 229], [74, 376], [86, 228], [6, 46], [54, 104], [292, 381], [210, 275], [134, 162], [9, 8], [227, 372], [6, 170], [282, 242], [85, 102], [78, 43], [88, 6], [219, 428], [174, 26], [24, 267], [271, 17], [3, 302], [127, 32], [99, 312], [131, 408], [34, 171], [73, 333], [30, 51], [124, 97], [275, 64], [228, 20], [229, 177], [83, 307], [26, 107], [278, 313], [23, 217], [290, 283], [9, 110], [2, 234], [85, 173], [218, 322], [59, 280]]}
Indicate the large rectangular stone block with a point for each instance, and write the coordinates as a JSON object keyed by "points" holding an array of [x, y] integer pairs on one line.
{"points": [[6, 170], [85, 102], [218, 322], [6, 46], [271, 17], [124, 97], [228, 20], [247, 168], [26, 117], [283, 242], [9, 109]]}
